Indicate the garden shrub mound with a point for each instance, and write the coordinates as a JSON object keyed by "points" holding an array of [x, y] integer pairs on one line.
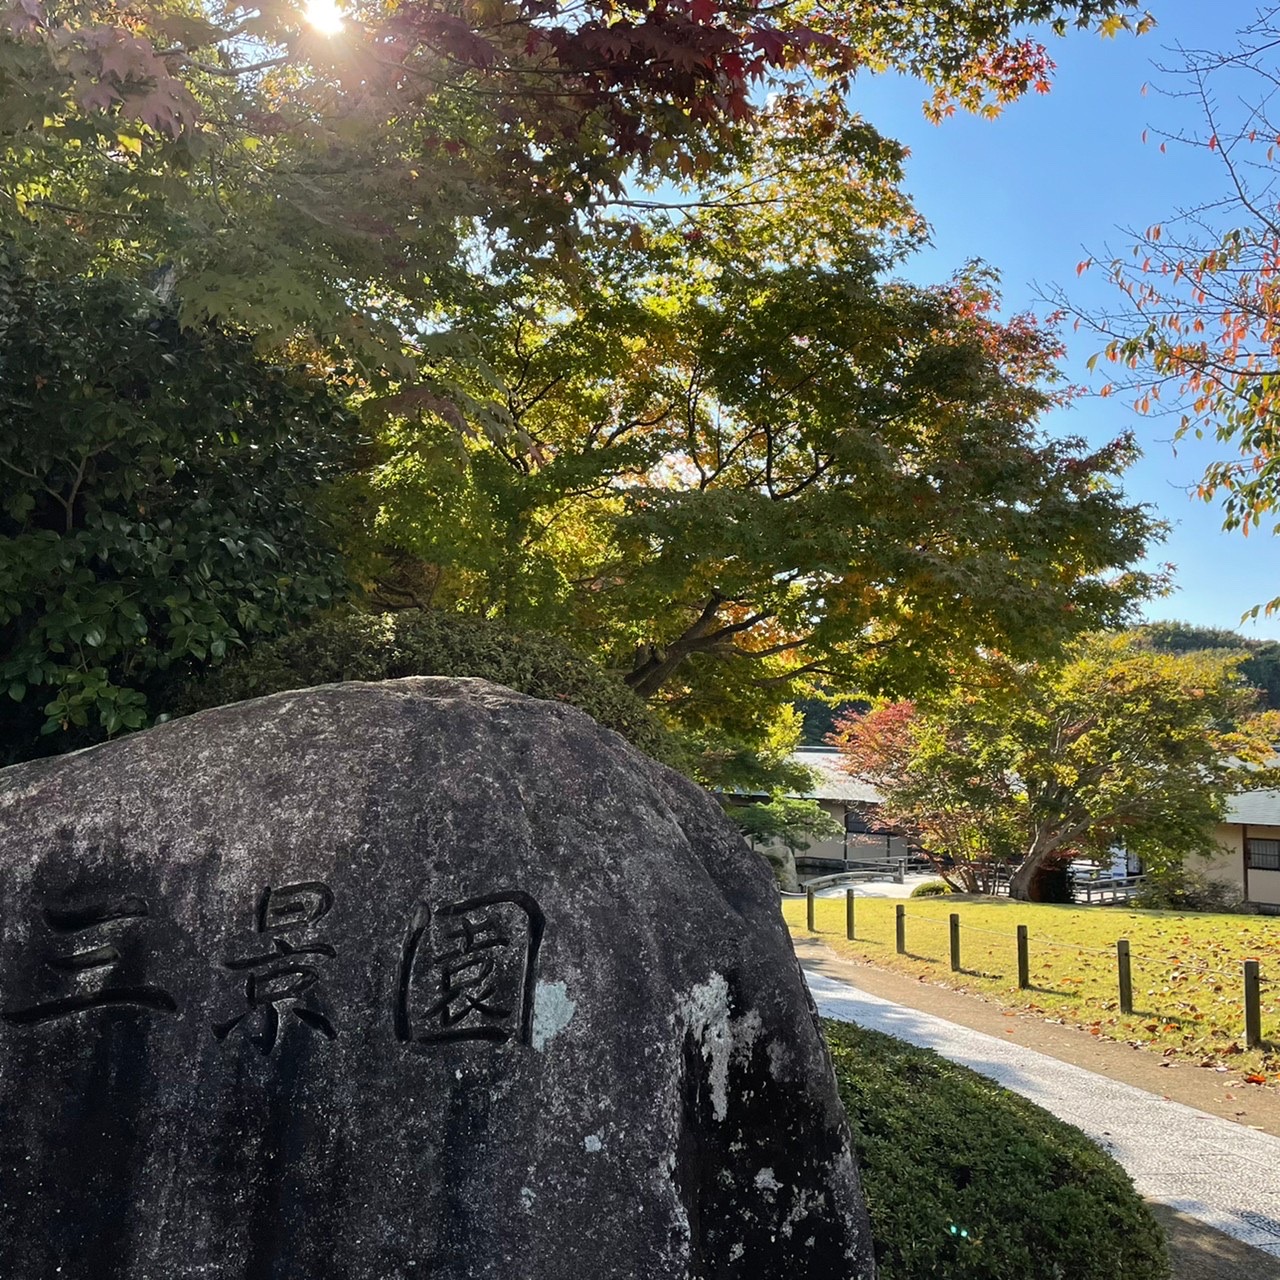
{"points": [[968, 1181], [418, 642], [1180, 889], [931, 889]]}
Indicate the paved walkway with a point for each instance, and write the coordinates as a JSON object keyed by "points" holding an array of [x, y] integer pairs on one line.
{"points": [[868, 888], [1221, 1173], [876, 888]]}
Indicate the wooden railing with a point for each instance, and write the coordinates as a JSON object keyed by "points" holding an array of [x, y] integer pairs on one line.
{"points": [[1108, 888]]}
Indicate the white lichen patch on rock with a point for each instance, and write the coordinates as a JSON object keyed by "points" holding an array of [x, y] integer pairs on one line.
{"points": [[766, 1181], [778, 1059], [805, 1203], [552, 1012], [592, 1143], [705, 1013]]}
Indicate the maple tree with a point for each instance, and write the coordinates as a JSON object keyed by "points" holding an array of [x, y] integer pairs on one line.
{"points": [[1112, 744], [346, 186], [750, 461], [1198, 336], [566, 255]]}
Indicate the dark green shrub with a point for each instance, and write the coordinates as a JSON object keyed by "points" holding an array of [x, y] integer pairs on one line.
{"points": [[162, 502], [1177, 889], [931, 889], [967, 1181], [387, 646]]}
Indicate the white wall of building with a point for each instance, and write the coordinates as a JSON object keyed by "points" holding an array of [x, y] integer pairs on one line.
{"points": [[1228, 866]]}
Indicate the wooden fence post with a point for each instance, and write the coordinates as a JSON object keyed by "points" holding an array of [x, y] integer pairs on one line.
{"points": [[808, 902], [848, 914], [955, 942], [1024, 959], [1126, 975], [900, 922], [1252, 1006]]}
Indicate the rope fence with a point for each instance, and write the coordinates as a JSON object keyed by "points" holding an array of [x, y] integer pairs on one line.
{"points": [[1068, 946], [1199, 971], [1251, 977]]}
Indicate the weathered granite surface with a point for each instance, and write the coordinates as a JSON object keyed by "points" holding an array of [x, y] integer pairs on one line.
{"points": [[416, 979]]}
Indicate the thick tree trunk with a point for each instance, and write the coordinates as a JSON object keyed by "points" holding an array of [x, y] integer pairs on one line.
{"points": [[1021, 880], [1045, 844]]}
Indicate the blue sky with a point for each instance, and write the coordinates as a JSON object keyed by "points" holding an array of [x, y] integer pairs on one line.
{"points": [[1058, 178]]}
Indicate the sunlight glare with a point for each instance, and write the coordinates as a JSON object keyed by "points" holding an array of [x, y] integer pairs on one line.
{"points": [[325, 16]]}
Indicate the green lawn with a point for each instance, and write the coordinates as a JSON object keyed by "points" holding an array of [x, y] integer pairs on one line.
{"points": [[1187, 981]]}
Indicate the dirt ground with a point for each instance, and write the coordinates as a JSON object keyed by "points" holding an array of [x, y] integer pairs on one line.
{"points": [[1197, 1252]]}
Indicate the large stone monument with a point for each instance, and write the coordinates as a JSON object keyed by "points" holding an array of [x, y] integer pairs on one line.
{"points": [[397, 981]]}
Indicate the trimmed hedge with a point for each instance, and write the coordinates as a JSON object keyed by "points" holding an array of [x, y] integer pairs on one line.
{"points": [[968, 1181], [363, 646]]}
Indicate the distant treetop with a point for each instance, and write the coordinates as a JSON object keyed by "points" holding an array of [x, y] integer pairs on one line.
{"points": [[1261, 668]]}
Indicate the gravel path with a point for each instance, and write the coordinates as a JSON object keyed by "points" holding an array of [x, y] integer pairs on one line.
{"points": [[1225, 1175]]}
